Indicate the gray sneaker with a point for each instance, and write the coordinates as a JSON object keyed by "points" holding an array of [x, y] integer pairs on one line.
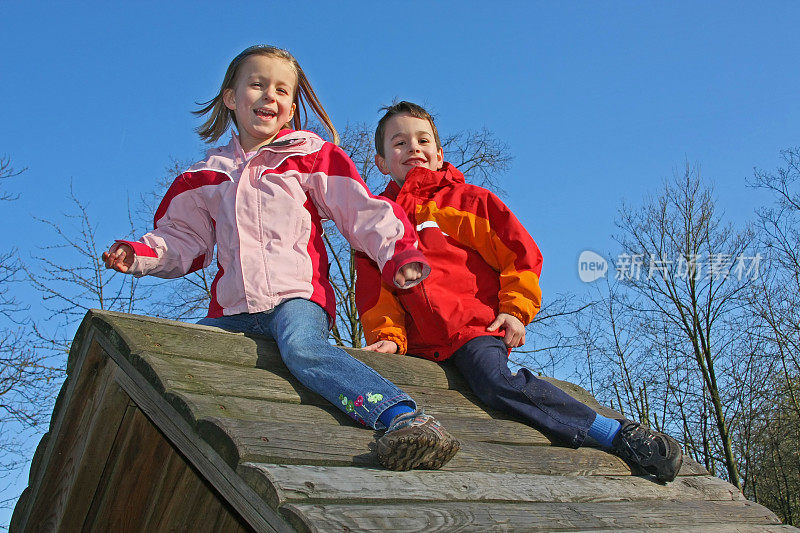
{"points": [[416, 440], [655, 452]]}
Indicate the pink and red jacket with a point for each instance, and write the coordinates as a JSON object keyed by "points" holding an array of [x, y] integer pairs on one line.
{"points": [[264, 214]]}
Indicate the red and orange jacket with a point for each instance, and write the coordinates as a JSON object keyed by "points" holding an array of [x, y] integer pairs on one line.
{"points": [[483, 262]]}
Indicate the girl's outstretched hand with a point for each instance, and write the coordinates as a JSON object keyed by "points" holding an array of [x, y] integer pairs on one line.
{"points": [[408, 273], [120, 259], [383, 347], [515, 330]]}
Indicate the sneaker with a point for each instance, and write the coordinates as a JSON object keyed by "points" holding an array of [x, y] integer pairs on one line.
{"points": [[655, 452], [416, 440]]}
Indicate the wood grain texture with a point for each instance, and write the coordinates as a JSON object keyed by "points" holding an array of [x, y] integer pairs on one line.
{"points": [[286, 443], [150, 487], [112, 405], [282, 484], [195, 406], [142, 335], [253, 509], [148, 335], [204, 378], [217, 417], [706, 528], [77, 453], [472, 517]]}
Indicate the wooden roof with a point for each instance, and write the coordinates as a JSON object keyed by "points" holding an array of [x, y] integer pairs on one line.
{"points": [[163, 425]]}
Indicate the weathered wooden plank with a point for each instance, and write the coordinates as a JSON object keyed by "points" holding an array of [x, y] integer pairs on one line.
{"points": [[147, 335], [240, 441], [707, 528], [198, 406], [149, 482], [200, 346], [187, 500], [172, 483], [209, 377], [133, 334], [451, 402], [112, 405], [151, 335], [136, 334], [214, 379], [281, 484], [88, 420], [123, 494], [195, 406], [468, 517], [198, 379], [495, 430], [199, 453], [551, 460]]}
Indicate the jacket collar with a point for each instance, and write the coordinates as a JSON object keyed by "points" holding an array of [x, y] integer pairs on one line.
{"points": [[238, 153], [424, 182]]}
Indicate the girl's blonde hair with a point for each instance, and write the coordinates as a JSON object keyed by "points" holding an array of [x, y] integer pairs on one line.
{"points": [[220, 116]]}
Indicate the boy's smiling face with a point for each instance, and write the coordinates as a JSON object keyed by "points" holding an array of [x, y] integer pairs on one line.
{"points": [[408, 142]]}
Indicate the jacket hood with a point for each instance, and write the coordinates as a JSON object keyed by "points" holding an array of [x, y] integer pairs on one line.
{"points": [[421, 181]]}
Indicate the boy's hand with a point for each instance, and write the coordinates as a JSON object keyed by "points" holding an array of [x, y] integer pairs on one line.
{"points": [[408, 273], [120, 259], [383, 347], [515, 331]]}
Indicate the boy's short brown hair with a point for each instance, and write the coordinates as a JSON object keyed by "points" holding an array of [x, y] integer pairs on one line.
{"points": [[402, 108]]}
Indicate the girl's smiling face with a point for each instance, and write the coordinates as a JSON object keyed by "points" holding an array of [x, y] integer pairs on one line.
{"points": [[408, 142], [262, 99]]}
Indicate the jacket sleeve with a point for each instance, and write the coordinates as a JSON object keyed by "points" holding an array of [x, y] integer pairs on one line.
{"points": [[488, 226], [183, 237], [382, 316], [375, 226]]}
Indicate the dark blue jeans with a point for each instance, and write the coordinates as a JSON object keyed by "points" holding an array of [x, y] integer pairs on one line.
{"points": [[300, 328], [483, 362]]}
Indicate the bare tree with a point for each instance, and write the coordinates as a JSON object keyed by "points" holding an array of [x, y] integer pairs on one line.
{"points": [[7, 170], [776, 299], [480, 156], [551, 343], [72, 278], [27, 375], [669, 337], [772, 430]]}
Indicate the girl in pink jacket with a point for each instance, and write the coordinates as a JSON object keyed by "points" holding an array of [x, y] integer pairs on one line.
{"points": [[261, 201]]}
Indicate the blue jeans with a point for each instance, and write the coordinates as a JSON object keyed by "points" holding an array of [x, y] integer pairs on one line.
{"points": [[483, 361], [300, 327]]}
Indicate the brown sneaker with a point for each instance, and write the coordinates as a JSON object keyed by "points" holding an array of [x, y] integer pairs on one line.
{"points": [[416, 440]]}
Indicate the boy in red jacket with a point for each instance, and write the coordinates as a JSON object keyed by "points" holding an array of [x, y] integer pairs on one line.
{"points": [[482, 290]]}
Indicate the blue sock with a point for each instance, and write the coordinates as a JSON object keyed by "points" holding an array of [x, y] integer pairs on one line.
{"points": [[603, 431], [397, 409]]}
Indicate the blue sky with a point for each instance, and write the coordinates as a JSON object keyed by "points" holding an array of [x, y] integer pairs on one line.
{"points": [[598, 101]]}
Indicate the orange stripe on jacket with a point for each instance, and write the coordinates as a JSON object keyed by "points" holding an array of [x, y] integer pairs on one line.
{"points": [[520, 294]]}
